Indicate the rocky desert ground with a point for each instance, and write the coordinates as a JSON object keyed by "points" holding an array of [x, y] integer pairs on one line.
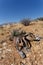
{"points": [[9, 54]]}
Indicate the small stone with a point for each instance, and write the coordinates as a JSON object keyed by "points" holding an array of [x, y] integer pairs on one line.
{"points": [[22, 54], [27, 55], [34, 56], [9, 50], [4, 44], [35, 61], [40, 55], [12, 64], [21, 63], [3, 56], [24, 61]]}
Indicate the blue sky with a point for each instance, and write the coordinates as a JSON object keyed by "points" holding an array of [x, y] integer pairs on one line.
{"points": [[15, 10]]}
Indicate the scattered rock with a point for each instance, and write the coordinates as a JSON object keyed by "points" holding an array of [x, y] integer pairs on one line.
{"points": [[12, 64], [37, 38], [21, 63], [24, 61], [4, 43], [22, 54]]}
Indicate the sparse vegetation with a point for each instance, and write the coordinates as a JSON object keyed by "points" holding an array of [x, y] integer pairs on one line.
{"points": [[41, 18], [25, 22]]}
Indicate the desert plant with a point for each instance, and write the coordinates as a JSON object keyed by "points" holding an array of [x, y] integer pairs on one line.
{"points": [[26, 22], [41, 18]]}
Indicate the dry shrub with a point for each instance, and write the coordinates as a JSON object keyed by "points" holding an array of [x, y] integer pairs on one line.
{"points": [[41, 18], [26, 22]]}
